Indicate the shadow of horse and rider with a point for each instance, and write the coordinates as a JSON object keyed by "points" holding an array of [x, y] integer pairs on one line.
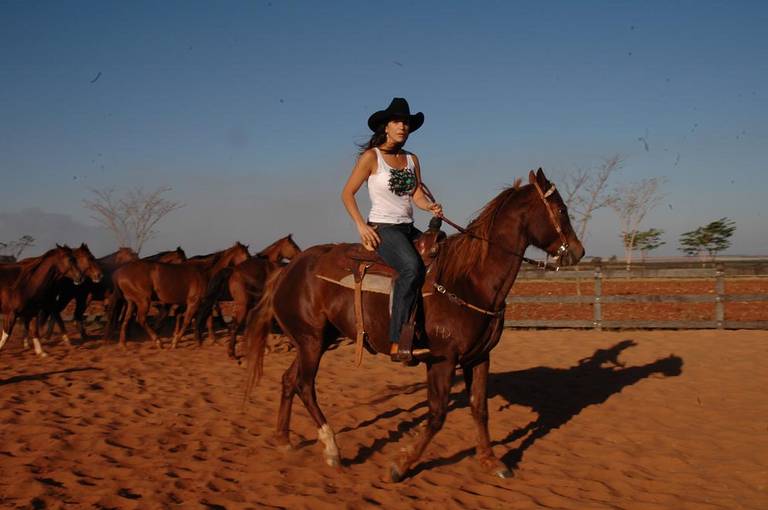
{"points": [[556, 395]]}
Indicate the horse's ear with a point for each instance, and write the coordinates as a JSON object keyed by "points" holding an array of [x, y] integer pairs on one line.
{"points": [[540, 175], [83, 246], [290, 236], [531, 177], [59, 246]]}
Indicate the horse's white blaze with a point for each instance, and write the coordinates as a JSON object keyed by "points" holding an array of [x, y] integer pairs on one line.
{"points": [[3, 339], [328, 438], [38, 348]]}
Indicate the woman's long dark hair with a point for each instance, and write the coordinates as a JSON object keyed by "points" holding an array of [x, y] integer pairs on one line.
{"points": [[377, 138]]}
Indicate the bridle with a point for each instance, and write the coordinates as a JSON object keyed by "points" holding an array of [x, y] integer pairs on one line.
{"points": [[563, 248], [543, 265]]}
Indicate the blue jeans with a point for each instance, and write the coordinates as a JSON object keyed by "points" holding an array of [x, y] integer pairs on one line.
{"points": [[396, 248]]}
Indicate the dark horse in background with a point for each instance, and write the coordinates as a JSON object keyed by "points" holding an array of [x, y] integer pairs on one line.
{"points": [[244, 283], [463, 321], [25, 287], [65, 289], [184, 284]]}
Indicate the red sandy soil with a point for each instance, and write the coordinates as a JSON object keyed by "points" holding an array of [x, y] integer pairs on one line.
{"points": [[587, 420], [734, 311]]}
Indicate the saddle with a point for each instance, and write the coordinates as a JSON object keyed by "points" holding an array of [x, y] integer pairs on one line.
{"points": [[427, 245], [363, 261]]}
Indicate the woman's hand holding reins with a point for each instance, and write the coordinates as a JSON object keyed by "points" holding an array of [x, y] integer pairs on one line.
{"points": [[368, 236], [436, 209]]}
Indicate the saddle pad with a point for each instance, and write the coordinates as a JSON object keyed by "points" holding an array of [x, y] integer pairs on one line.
{"points": [[371, 283]]}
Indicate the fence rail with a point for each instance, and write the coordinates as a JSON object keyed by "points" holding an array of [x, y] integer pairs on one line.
{"points": [[718, 272]]}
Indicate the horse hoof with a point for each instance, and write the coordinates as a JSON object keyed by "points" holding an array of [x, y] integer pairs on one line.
{"points": [[395, 476], [504, 473], [333, 461]]}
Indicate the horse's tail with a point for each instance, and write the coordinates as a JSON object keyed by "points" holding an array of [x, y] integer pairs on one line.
{"points": [[115, 306], [212, 293], [257, 331]]}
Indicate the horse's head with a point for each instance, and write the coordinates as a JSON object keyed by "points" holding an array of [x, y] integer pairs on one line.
{"points": [[125, 254], [176, 256], [65, 263], [86, 263], [236, 254], [283, 249], [288, 248], [549, 227]]}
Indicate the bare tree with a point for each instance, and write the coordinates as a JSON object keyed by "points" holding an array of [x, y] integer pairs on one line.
{"points": [[632, 203], [132, 217], [14, 249], [586, 191]]}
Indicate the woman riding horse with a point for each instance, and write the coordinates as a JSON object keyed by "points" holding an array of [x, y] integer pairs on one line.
{"points": [[394, 185]]}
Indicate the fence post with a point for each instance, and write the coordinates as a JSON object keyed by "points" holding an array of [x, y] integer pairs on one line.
{"points": [[598, 318], [720, 295]]}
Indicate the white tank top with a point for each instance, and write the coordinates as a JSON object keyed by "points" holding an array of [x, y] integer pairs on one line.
{"points": [[391, 191]]}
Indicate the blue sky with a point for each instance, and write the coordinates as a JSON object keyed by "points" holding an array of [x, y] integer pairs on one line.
{"points": [[250, 111]]}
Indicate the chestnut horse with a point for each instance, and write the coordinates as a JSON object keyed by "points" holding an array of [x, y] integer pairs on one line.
{"points": [[463, 312], [172, 284], [244, 283], [25, 286]]}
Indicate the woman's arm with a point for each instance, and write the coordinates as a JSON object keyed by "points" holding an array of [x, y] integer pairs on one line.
{"points": [[362, 169], [419, 198]]}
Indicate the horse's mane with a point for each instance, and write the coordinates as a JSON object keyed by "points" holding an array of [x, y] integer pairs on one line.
{"points": [[470, 248]]}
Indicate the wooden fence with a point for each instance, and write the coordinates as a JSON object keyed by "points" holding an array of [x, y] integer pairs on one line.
{"points": [[596, 272]]}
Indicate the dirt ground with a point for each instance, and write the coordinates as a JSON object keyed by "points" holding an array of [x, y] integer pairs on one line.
{"points": [[586, 420]]}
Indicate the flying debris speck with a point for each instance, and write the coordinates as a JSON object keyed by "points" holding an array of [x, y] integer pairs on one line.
{"points": [[282, 100], [97, 77], [397, 63]]}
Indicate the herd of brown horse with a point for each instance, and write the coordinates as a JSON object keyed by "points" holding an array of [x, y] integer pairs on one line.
{"points": [[36, 290]]}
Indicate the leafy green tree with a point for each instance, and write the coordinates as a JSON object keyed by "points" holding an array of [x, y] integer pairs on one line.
{"points": [[644, 240], [711, 238]]}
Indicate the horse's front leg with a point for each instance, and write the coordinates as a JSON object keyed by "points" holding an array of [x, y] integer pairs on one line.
{"points": [[81, 304], [439, 378], [7, 329], [35, 334], [476, 379]]}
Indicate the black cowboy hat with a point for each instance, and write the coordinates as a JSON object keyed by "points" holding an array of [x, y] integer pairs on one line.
{"points": [[397, 109]]}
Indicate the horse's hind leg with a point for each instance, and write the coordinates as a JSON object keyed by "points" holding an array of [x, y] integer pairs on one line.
{"points": [[129, 306], [310, 350], [142, 310], [286, 402], [439, 378], [476, 379]]}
